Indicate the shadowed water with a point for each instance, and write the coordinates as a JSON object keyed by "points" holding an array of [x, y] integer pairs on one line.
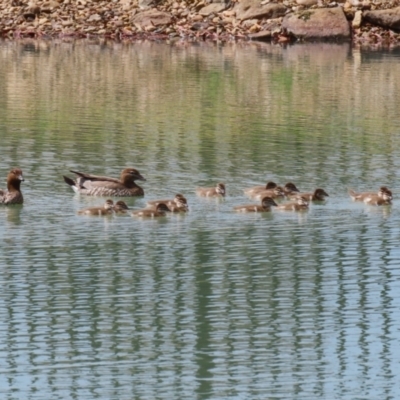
{"points": [[211, 304]]}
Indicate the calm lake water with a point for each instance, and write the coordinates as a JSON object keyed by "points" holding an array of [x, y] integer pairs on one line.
{"points": [[212, 304]]}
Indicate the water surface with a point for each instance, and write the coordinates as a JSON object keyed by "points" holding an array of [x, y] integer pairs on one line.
{"points": [[212, 304]]}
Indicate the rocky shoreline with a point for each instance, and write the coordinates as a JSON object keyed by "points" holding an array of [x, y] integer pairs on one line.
{"points": [[362, 22]]}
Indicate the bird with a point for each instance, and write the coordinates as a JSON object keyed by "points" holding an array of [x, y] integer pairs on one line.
{"points": [[290, 188], [382, 197], [159, 211], [13, 194], [318, 195], [178, 199], [300, 204], [265, 205], [94, 185], [217, 191], [275, 193], [120, 207], [256, 189], [106, 209]]}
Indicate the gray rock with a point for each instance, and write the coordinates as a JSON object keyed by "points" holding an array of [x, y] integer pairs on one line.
{"points": [[318, 24], [213, 8], [151, 17], [389, 19], [250, 9]]}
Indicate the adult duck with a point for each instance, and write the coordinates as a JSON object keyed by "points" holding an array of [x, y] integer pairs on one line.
{"points": [[13, 194], [95, 185]]}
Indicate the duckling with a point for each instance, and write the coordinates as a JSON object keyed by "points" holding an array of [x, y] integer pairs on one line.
{"points": [[301, 204], [318, 195], [94, 185], [169, 202], [106, 209], [275, 193], [265, 206], [217, 191], [290, 188], [257, 189], [13, 194], [120, 207], [159, 211], [382, 197]]}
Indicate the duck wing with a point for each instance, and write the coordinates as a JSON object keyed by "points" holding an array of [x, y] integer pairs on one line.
{"points": [[95, 178]]}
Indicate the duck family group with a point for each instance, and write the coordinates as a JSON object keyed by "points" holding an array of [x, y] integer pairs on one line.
{"points": [[125, 186]]}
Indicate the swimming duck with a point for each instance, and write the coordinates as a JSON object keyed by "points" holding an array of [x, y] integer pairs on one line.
{"points": [[266, 204], [159, 211], [13, 193], [178, 197], [318, 195], [106, 209], [300, 204], [257, 189], [382, 197], [94, 185], [275, 193], [216, 191], [120, 207], [290, 188]]}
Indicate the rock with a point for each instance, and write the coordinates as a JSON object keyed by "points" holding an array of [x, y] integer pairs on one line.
{"points": [[320, 24], [262, 35], [151, 17], [213, 8], [94, 18], [307, 3], [389, 19], [250, 9], [356, 23]]}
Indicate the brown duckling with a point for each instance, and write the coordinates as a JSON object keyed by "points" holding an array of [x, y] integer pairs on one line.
{"points": [[13, 194], [216, 191], [301, 204], [257, 189], [275, 193], [169, 202], [160, 210], [382, 197], [120, 207], [265, 206], [106, 209], [318, 195], [290, 188], [94, 185]]}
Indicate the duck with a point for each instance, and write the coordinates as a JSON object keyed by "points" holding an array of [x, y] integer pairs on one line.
{"points": [[300, 204], [266, 204], [169, 202], [13, 194], [256, 189], [382, 197], [120, 207], [94, 185], [275, 193], [160, 210], [318, 195], [290, 188], [106, 209], [217, 191]]}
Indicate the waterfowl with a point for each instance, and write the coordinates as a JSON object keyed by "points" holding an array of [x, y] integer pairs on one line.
{"points": [[275, 193], [159, 211], [169, 202], [290, 188], [318, 195], [120, 207], [257, 189], [94, 185], [216, 191], [106, 209], [300, 204], [265, 206], [382, 197], [13, 193]]}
